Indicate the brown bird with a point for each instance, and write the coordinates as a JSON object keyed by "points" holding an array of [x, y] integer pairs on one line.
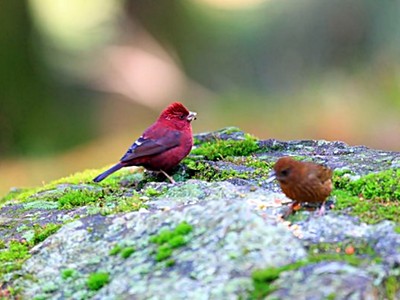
{"points": [[303, 182]]}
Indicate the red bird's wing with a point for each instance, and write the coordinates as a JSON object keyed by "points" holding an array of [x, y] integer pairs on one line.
{"points": [[146, 146]]}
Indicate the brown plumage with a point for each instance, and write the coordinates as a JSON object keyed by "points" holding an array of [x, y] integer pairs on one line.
{"points": [[303, 181]]}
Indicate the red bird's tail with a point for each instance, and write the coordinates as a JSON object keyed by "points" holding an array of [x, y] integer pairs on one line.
{"points": [[108, 172]]}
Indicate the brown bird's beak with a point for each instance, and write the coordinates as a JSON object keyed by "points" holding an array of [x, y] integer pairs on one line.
{"points": [[192, 116], [271, 177]]}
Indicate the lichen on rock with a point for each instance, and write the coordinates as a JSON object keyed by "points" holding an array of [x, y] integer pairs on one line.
{"points": [[124, 238]]}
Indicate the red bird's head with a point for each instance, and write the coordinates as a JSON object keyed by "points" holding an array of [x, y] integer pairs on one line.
{"points": [[177, 116]]}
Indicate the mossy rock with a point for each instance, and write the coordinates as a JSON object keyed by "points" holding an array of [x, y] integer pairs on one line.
{"points": [[217, 232]]}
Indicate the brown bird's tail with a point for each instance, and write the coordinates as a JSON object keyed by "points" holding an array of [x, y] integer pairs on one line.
{"points": [[108, 172]]}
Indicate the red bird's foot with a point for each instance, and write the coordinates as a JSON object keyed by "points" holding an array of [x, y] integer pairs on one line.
{"points": [[169, 177]]}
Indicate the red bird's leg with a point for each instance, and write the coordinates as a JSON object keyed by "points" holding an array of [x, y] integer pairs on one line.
{"points": [[169, 177]]}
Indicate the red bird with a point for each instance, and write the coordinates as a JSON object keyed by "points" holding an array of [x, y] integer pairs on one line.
{"points": [[163, 145], [303, 181]]}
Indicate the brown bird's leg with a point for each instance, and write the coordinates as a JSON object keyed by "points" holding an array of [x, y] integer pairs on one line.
{"points": [[321, 210], [169, 177], [290, 210]]}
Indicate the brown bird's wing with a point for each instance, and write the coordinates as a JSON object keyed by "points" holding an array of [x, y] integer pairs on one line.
{"points": [[152, 146], [324, 174]]}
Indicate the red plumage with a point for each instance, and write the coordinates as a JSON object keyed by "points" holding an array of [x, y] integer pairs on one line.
{"points": [[163, 145]]}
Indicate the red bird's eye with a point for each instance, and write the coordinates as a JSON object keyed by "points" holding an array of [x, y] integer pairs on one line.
{"points": [[181, 117]]}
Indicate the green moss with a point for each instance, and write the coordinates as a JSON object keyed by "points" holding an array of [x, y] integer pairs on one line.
{"points": [[97, 280], [74, 198], [163, 252], [167, 240], [356, 254], [12, 257], [177, 241], [107, 201], [370, 211], [331, 296], [116, 202], [183, 228], [196, 141], [43, 232], [67, 273], [220, 149], [127, 251], [151, 192], [114, 251], [373, 198], [163, 237], [392, 287], [170, 263], [396, 229], [263, 279], [383, 185], [85, 177], [205, 171]]}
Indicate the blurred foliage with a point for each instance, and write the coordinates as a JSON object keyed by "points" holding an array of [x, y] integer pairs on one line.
{"points": [[37, 115], [273, 46], [288, 69]]}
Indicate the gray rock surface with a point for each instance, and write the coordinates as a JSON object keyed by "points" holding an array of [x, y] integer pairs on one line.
{"points": [[236, 229]]}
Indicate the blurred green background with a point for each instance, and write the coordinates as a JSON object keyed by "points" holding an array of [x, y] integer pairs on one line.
{"points": [[80, 80]]}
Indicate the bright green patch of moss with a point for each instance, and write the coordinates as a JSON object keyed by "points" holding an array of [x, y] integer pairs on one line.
{"points": [[220, 149], [397, 229], [76, 198], [151, 192], [163, 252], [117, 203], [206, 171], [383, 185], [67, 273], [107, 201], [183, 228], [392, 287], [331, 296], [114, 251], [263, 279], [12, 257], [85, 177], [43, 232], [97, 280], [255, 162], [373, 198], [370, 211], [127, 251], [167, 240]]}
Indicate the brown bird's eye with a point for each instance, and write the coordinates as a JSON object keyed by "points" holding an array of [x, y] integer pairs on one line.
{"points": [[285, 172]]}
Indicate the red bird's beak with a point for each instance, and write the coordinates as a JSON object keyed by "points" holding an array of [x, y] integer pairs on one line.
{"points": [[192, 116]]}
